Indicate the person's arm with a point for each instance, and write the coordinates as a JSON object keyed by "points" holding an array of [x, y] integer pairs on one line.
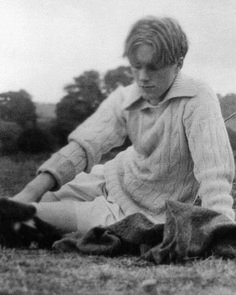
{"points": [[211, 153], [36, 188], [102, 131]]}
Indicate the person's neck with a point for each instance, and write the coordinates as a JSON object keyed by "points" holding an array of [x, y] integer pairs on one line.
{"points": [[155, 101]]}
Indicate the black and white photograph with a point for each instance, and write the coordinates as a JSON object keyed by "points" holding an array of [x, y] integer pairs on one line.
{"points": [[117, 147]]}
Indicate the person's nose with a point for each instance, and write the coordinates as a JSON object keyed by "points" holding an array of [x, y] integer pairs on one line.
{"points": [[143, 75]]}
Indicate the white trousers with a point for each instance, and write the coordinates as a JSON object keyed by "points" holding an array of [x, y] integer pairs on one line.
{"points": [[88, 194]]}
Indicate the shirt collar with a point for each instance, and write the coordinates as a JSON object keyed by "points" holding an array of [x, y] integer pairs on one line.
{"points": [[183, 86]]}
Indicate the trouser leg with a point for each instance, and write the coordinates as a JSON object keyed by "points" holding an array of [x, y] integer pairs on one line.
{"points": [[69, 216], [61, 215], [84, 187], [82, 204]]}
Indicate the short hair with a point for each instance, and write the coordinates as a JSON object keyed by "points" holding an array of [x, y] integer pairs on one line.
{"points": [[164, 34]]}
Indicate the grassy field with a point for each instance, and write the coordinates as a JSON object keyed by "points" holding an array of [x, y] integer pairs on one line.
{"points": [[49, 272]]}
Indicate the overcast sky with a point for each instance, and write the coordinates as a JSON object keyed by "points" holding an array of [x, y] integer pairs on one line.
{"points": [[45, 43]]}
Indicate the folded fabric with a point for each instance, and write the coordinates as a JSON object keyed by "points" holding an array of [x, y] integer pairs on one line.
{"points": [[189, 232]]}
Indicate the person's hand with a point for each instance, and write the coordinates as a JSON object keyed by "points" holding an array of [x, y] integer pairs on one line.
{"points": [[35, 189]]}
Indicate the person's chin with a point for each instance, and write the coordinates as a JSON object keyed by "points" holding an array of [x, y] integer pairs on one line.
{"points": [[149, 96]]}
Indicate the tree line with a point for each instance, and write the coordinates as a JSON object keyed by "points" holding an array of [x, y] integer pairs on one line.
{"points": [[20, 129]]}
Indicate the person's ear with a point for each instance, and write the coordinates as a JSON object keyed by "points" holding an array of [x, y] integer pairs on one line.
{"points": [[180, 63]]}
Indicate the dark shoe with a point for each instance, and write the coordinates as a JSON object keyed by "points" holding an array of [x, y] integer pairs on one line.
{"points": [[20, 228]]}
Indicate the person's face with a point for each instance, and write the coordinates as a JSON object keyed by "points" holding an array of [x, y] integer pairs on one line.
{"points": [[152, 80]]}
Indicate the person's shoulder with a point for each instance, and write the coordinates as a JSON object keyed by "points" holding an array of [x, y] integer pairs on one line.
{"points": [[127, 91], [205, 99], [124, 95], [204, 94], [200, 86]]}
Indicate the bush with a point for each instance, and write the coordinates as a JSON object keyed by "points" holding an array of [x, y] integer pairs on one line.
{"points": [[17, 106], [9, 135], [35, 141]]}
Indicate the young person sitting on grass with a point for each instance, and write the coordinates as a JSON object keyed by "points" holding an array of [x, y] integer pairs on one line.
{"points": [[180, 148]]}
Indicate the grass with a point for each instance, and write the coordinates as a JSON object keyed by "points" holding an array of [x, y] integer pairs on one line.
{"points": [[49, 272], [16, 171]]}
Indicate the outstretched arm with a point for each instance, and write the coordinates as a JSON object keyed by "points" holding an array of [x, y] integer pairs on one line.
{"points": [[105, 129], [35, 189]]}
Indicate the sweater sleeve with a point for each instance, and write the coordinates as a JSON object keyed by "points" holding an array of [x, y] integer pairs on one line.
{"points": [[211, 153], [105, 129]]}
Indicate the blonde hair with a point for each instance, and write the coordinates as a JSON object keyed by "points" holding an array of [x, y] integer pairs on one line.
{"points": [[164, 34]]}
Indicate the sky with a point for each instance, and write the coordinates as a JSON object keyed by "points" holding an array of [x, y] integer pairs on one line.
{"points": [[44, 44]]}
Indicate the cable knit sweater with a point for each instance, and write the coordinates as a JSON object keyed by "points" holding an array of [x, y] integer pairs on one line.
{"points": [[180, 149]]}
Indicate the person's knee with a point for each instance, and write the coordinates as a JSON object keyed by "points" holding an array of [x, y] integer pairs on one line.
{"points": [[49, 197]]}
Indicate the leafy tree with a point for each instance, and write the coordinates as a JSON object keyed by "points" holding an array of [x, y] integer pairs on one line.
{"points": [[17, 107], [87, 89], [119, 76], [81, 100]]}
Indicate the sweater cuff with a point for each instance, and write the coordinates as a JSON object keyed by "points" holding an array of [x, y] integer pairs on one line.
{"points": [[60, 168], [65, 164]]}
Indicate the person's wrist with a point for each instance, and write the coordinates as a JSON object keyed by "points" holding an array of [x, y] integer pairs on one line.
{"points": [[46, 179]]}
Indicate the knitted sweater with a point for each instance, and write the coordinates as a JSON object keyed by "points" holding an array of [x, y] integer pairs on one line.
{"points": [[180, 150]]}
